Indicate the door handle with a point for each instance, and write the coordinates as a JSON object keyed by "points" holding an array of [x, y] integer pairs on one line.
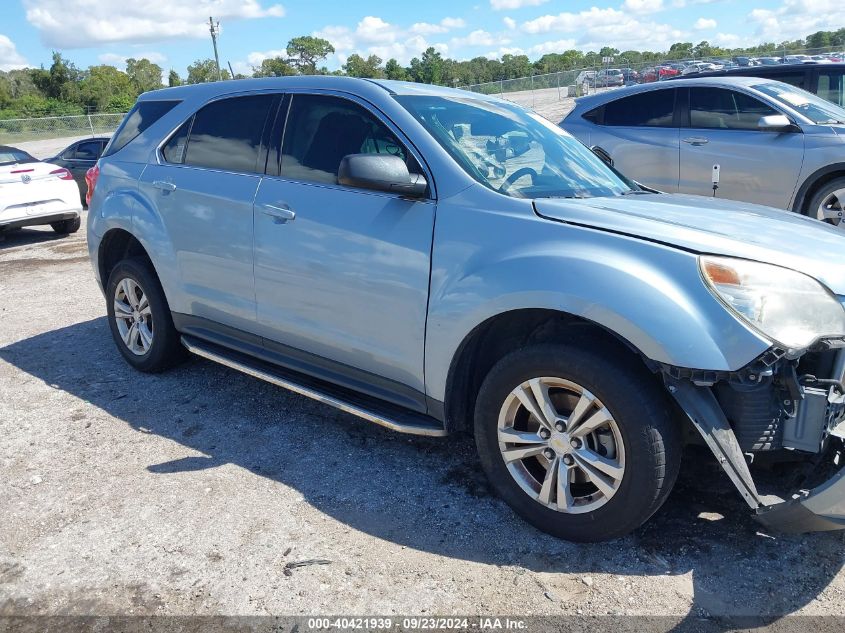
{"points": [[164, 185], [280, 214], [696, 141]]}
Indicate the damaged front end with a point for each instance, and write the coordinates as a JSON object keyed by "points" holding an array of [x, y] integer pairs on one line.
{"points": [[778, 409]]}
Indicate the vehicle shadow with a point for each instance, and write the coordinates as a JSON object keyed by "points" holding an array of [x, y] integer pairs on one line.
{"points": [[429, 494], [28, 236]]}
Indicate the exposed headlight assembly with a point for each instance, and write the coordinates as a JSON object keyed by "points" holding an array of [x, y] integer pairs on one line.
{"points": [[792, 309]]}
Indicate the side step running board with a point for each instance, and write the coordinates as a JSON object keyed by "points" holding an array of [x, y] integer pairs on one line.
{"points": [[403, 422]]}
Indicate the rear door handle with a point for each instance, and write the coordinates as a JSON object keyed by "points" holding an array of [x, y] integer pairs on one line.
{"points": [[164, 185], [696, 140], [280, 214]]}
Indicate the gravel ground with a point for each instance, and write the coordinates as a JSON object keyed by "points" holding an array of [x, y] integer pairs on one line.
{"points": [[198, 491]]}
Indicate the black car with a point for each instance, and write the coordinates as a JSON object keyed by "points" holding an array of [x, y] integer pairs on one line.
{"points": [[79, 157], [825, 80]]}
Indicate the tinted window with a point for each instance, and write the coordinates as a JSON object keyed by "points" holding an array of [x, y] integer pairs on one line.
{"points": [[320, 131], [831, 86], [716, 108], [13, 155], [140, 117], [227, 134], [89, 150], [174, 150], [796, 79], [655, 108]]}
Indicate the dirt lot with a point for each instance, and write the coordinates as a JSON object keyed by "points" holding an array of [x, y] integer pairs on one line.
{"points": [[194, 491]]}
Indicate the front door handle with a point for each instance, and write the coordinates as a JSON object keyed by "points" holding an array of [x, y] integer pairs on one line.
{"points": [[697, 141], [280, 214], [164, 185]]}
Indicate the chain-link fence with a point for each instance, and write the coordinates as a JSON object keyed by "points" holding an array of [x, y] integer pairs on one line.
{"points": [[14, 131], [551, 94]]}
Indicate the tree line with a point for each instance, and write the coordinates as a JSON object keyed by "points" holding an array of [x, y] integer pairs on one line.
{"points": [[64, 89]]}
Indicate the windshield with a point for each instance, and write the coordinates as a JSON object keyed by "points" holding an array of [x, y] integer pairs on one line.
{"points": [[12, 156], [514, 151], [815, 108]]}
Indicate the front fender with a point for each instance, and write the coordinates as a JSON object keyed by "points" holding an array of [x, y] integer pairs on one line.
{"points": [[649, 294]]}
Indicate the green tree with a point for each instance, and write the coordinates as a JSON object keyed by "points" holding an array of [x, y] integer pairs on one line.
{"points": [[203, 71], [105, 86], [429, 68], [173, 78], [394, 70], [680, 50], [357, 66], [306, 51], [274, 67], [143, 74]]}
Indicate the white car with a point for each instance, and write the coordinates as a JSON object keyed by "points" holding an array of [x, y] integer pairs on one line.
{"points": [[33, 192]]}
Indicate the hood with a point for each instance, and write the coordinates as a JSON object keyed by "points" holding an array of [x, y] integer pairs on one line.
{"points": [[717, 227]]}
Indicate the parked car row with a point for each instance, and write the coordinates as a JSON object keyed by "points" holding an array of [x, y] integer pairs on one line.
{"points": [[580, 325]]}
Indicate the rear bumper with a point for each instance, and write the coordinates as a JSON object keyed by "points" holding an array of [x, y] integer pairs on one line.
{"points": [[821, 509], [38, 220]]}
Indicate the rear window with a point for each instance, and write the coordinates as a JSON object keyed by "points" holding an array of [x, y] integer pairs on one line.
{"points": [[655, 108], [12, 155], [140, 117]]}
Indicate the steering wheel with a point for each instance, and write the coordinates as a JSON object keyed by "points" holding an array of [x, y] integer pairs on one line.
{"points": [[519, 173]]}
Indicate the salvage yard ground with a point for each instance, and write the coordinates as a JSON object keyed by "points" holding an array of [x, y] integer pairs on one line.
{"points": [[199, 491]]}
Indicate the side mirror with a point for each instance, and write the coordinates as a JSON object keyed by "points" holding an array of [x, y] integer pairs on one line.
{"points": [[775, 123], [602, 153], [380, 172]]}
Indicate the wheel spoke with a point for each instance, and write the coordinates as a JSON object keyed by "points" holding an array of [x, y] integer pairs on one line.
{"points": [[526, 396], [143, 304], [584, 403], [128, 287], [145, 336], [513, 454], [540, 391], [512, 436], [122, 310], [598, 479], [129, 334], [564, 491], [608, 466], [595, 421], [545, 495]]}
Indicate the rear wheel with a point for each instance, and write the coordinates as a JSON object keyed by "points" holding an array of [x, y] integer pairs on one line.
{"points": [[139, 317], [828, 204], [580, 446], [67, 226]]}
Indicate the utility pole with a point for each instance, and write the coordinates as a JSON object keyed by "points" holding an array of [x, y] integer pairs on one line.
{"points": [[214, 28]]}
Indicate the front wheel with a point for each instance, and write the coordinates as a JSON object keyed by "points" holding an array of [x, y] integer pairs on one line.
{"points": [[581, 446]]}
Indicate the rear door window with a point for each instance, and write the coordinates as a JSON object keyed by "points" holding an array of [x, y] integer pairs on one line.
{"points": [[655, 108], [140, 117], [89, 150], [831, 86], [720, 109], [227, 134]]}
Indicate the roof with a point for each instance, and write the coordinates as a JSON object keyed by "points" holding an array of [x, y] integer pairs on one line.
{"points": [[317, 82]]}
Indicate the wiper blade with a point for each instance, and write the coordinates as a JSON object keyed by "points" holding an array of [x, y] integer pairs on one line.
{"points": [[635, 192]]}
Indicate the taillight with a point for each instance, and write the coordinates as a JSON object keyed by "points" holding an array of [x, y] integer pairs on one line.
{"points": [[91, 177], [62, 173]]}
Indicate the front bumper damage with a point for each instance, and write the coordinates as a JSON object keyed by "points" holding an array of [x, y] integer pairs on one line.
{"points": [[815, 508]]}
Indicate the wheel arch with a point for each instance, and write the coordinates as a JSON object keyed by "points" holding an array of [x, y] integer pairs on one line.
{"points": [[498, 335], [117, 244], [813, 183]]}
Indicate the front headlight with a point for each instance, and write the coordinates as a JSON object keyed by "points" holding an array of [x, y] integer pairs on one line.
{"points": [[790, 308]]}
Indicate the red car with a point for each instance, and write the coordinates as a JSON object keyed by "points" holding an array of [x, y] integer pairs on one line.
{"points": [[659, 73]]}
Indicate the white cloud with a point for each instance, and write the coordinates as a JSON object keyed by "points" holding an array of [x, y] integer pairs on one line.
{"points": [[509, 23], [557, 46], [478, 37], [10, 58], [728, 40], [704, 24], [78, 24], [796, 18], [643, 6], [119, 61], [445, 25], [601, 27], [505, 5]]}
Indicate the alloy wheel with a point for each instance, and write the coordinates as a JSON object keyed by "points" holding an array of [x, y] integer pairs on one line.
{"points": [[832, 208], [133, 316], [561, 445]]}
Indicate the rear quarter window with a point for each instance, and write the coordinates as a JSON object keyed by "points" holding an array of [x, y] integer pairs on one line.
{"points": [[655, 108], [139, 118]]}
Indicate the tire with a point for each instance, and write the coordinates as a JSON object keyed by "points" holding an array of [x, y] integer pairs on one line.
{"points": [[642, 439], [67, 226], [832, 196], [155, 344]]}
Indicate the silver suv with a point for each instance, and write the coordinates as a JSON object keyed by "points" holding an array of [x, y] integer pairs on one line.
{"points": [[438, 262], [773, 144]]}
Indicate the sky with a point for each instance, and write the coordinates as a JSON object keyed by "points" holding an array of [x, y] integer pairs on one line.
{"points": [[174, 33]]}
